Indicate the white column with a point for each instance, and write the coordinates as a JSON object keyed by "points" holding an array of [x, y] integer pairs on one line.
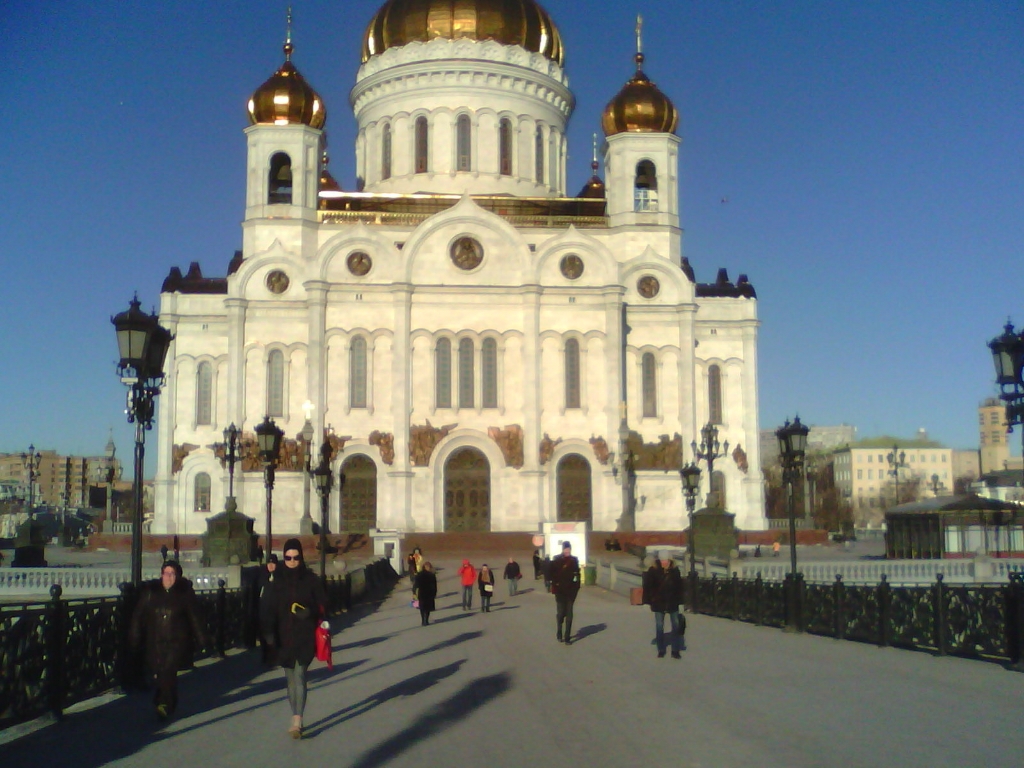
{"points": [[164, 512], [532, 473], [316, 351], [400, 474]]}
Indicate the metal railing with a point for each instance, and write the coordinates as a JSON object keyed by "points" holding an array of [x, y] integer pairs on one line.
{"points": [[60, 652]]}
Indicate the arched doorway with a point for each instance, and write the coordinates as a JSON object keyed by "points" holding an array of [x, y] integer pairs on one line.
{"points": [[359, 496], [467, 491], [575, 501]]}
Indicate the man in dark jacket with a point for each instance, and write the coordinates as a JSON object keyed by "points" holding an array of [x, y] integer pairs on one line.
{"points": [[663, 591], [166, 622], [565, 584], [512, 576]]}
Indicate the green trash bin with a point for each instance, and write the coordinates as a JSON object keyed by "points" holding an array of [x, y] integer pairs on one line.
{"points": [[590, 574]]}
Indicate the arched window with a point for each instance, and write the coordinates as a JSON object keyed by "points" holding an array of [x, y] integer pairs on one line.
{"points": [[357, 373], [464, 161], [538, 156], [489, 355], [443, 374], [716, 499], [275, 383], [466, 373], [645, 192], [572, 374], [385, 153], [279, 186], [422, 137], [650, 385], [715, 394], [505, 146], [204, 394], [201, 501]]}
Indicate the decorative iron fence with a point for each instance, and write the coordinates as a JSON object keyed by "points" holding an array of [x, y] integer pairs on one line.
{"points": [[61, 652], [978, 621]]}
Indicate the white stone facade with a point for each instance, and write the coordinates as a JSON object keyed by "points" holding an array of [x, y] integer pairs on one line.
{"points": [[363, 349]]}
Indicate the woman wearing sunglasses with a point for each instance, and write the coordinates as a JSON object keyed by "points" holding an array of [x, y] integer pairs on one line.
{"points": [[294, 605]]}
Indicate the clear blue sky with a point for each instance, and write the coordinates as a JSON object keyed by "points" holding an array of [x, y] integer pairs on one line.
{"points": [[860, 161]]}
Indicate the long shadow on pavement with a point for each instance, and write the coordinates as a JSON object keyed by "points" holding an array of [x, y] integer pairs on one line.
{"points": [[590, 629], [463, 638], [473, 696], [414, 685]]}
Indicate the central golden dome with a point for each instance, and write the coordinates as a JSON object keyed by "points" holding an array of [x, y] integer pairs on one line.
{"points": [[510, 22]]}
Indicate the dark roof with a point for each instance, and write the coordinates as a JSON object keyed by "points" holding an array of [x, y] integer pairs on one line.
{"points": [[193, 281], [723, 288], [965, 502], [1002, 478]]}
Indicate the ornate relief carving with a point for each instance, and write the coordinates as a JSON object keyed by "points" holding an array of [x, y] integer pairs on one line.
{"points": [[423, 440], [337, 443], [740, 457], [601, 452], [178, 455], [510, 441], [665, 455], [247, 455], [547, 448], [386, 442]]}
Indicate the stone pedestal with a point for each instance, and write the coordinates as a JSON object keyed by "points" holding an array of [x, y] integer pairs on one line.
{"points": [[229, 538], [714, 534]]}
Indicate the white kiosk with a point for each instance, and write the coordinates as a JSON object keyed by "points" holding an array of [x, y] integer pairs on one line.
{"points": [[388, 543], [556, 534]]}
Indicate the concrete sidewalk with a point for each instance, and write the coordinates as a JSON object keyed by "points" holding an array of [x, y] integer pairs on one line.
{"points": [[497, 690]]}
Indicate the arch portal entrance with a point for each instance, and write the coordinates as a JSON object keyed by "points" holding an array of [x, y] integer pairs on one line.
{"points": [[467, 491], [575, 500], [359, 496]]}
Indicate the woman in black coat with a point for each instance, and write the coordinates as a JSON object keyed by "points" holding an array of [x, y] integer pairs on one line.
{"points": [[167, 623], [294, 605], [485, 582], [426, 591]]}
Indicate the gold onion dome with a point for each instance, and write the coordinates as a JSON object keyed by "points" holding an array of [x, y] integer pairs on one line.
{"points": [[640, 108], [510, 22], [287, 99]]}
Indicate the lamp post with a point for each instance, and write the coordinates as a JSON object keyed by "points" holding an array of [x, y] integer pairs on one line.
{"points": [[143, 344], [897, 461], [306, 438], [792, 446], [937, 485], [268, 436], [1008, 357], [690, 475], [323, 478], [708, 451], [31, 461], [231, 455]]}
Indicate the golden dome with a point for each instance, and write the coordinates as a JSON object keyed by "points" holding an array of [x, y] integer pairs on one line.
{"points": [[510, 22], [640, 108], [286, 98]]}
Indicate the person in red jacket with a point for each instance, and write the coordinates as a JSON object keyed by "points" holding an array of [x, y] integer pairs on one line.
{"points": [[467, 573]]}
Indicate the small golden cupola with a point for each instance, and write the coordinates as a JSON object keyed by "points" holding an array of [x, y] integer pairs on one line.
{"points": [[640, 107], [510, 22], [286, 98]]}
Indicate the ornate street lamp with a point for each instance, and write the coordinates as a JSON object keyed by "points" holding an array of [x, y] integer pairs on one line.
{"points": [[897, 461], [1008, 357], [937, 485], [268, 438], [708, 451], [31, 461], [690, 475], [143, 344], [792, 446], [323, 480], [306, 438], [231, 434]]}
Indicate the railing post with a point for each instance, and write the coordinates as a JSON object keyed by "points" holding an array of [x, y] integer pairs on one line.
{"points": [[884, 612], [714, 594], [939, 613], [250, 610], [55, 650], [1015, 622], [839, 595], [129, 659], [794, 602], [694, 580], [735, 597], [222, 601], [759, 600]]}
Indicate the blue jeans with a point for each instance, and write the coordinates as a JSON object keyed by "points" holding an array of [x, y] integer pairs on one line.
{"points": [[659, 630], [467, 597], [513, 585]]}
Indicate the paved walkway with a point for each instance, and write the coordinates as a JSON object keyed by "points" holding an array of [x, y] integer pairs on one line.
{"points": [[497, 690]]}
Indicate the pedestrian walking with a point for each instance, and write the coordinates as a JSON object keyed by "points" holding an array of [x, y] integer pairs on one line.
{"points": [[467, 576], [545, 569], [663, 591], [512, 577], [565, 583], [537, 565], [166, 623], [775, 548], [295, 607], [485, 581], [426, 591]]}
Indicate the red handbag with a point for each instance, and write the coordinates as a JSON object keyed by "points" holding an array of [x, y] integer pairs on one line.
{"points": [[323, 646]]}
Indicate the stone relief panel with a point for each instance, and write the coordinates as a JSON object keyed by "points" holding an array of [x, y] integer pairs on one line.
{"points": [[423, 439], [385, 441], [178, 455], [740, 457], [666, 454], [510, 441], [547, 448], [601, 452]]}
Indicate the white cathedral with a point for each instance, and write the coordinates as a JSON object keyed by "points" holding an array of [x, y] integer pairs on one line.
{"points": [[480, 350]]}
